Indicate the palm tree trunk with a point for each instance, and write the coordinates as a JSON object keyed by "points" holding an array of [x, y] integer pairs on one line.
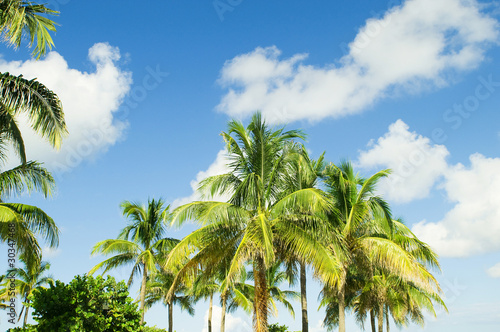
{"points": [[372, 320], [387, 317], [25, 316], [223, 313], [303, 297], [210, 312], [170, 317], [380, 317], [343, 279], [261, 296], [143, 292]]}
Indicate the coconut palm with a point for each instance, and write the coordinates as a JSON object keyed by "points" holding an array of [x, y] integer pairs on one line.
{"points": [[157, 289], [26, 281], [305, 173], [256, 219], [361, 216], [21, 19], [394, 296], [19, 95], [138, 243], [23, 223]]}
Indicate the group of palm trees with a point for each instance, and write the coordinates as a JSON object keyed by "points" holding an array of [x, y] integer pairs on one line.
{"points": [[285, 212]]}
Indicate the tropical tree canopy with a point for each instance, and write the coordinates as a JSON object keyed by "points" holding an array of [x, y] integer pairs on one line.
{"points": [[21, 19], [138, 243]]}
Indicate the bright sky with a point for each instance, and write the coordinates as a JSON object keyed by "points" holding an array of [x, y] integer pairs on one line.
{"points": [[148, 86]]}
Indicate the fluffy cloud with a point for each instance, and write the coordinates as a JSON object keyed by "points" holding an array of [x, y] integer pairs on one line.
{"points": [[415, 162], [494, 271], [219, 166], [472, 226], [412, 45], [233, 323], [89, 101]]}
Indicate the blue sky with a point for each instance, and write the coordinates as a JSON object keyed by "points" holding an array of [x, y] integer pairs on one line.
{"points": [[412, 86]]}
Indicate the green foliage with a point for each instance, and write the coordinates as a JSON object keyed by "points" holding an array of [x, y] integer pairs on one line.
{"points": [[153, 329], [26, 20], [28, 328], [277, 328], [85, 304]]}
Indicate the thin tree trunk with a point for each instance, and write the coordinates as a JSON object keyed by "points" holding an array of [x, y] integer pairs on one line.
{"points": [[303, 297], [372, 320], [223, 313], [210, 312], [387, 317], [25, 316], [261, 296], [143, 292], [342, 302], [380, 317], [170, 317]]}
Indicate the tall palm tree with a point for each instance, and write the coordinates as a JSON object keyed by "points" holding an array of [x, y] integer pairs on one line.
{"points": [[45, 115], [360, 217], [157, 289], [138, 243], [20, 19], [26, 281], [256, 219], [304, 173]]}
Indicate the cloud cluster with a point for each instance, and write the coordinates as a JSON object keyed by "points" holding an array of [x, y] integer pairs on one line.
{"points": [[415, 162], [412, 46], [89, 101], [472, 226]]}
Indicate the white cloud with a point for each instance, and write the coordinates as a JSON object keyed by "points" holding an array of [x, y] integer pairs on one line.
{"points": [[219, 166], [472, 226], [89, 101], [412, 46], [494, 271], [233, 323], [415, 162]]}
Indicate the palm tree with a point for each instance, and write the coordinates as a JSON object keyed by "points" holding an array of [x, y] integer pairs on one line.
{"points": [[19, 19], [138, 243], [45, 115], [26, 281], [256, 219], [305, 173], [21, 223], [360, 218], [157, 290]]}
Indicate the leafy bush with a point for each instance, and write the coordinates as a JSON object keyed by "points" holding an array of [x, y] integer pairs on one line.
{"points": [[85, 304], [153, 329], [277, 328]]}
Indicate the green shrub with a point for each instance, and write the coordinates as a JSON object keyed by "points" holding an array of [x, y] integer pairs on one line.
{"points": [[85, 304]]}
